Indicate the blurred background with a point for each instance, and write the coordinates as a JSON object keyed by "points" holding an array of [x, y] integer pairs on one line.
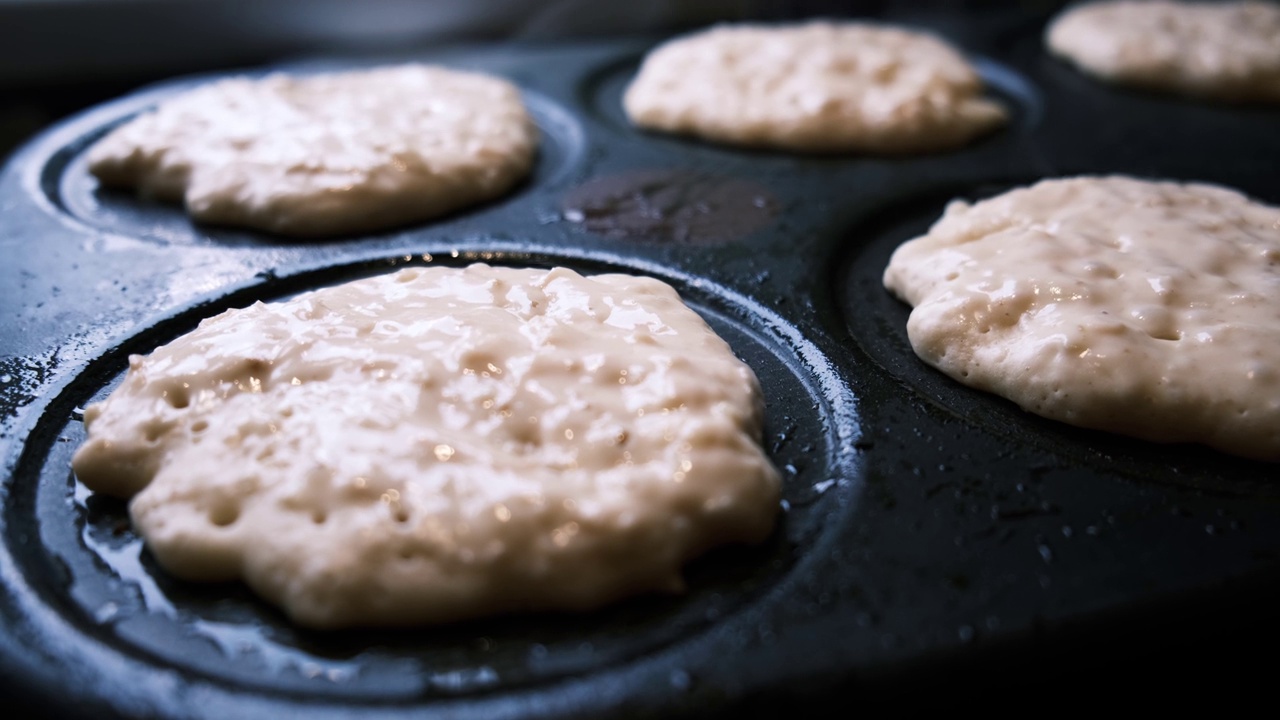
{"points": [[60, 56]]}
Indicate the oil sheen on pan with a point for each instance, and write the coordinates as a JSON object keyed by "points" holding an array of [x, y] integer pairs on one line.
{"points": [[680, 206]]}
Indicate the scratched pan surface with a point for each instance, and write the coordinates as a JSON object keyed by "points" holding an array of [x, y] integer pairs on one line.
{"points": [[931, 536]]}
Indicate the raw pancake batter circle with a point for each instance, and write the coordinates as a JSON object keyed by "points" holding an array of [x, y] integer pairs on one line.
{"points": [[326, 154], [1226, 51], [1149, 309], [815, 87], [439, 444]]}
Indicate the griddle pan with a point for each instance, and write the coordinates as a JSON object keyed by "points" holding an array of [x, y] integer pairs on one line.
{"points": [[935, 542]]}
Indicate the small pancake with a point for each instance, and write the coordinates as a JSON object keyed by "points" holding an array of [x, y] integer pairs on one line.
{"points": [[815, 87], [1223, 51], [440, 444], [1149, 309], [326, 154]]}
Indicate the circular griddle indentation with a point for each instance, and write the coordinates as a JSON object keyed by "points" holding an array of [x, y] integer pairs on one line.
{"points": [[603, 92], [80, 550], [670, 206], [70, 188], [877, 323]]}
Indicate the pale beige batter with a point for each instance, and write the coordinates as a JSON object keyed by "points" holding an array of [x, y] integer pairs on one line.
{"points": [[326, 154], [439, 444], [1150, 309], [815, 87], [1223, 50]]}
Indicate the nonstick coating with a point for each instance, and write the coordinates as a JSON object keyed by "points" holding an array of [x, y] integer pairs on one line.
{"points": [[932, 535]]}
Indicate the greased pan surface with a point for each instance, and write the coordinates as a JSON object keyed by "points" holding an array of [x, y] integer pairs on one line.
{"points": [[928, 529]]}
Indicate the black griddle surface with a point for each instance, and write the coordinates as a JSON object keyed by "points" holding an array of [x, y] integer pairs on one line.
{"points": [[932, 536]]}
